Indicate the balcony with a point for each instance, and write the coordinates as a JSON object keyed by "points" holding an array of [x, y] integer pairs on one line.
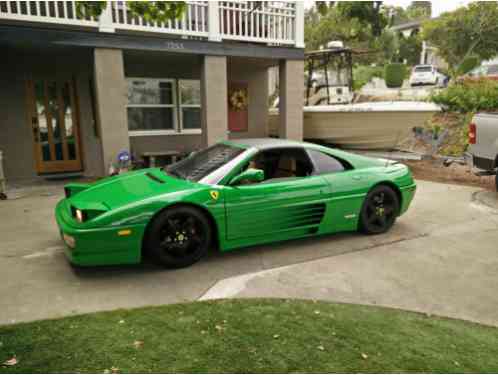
{"points": [[266, 22]]}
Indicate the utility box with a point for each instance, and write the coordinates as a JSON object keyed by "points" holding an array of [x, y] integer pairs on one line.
{"points": [[3, 188]]}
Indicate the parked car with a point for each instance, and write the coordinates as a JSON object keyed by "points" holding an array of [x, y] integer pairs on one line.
{"points": [[231, 195], [426, 75], [489, 71], [483, 144]]}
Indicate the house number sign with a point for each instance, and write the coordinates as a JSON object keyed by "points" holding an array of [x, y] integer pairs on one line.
{"points": [[174, 45]]}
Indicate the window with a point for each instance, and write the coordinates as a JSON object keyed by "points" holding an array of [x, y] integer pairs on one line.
{"points": [[190, 104], [202, 163], [163, 106], [325, 163], [151, 105], [280, 164], [423, 69]]}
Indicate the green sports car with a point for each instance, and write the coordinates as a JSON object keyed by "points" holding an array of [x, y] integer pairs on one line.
{"points": [[230, 195]]}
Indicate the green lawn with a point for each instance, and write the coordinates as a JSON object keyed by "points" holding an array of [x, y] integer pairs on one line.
{"points": [[251, 336]]}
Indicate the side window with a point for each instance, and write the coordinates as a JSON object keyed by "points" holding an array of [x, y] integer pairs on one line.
{"points": [[280, 164], [325, 163]]}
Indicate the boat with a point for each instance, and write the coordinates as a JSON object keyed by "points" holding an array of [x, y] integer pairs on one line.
{"points": [[358, 126], [361, 126]]}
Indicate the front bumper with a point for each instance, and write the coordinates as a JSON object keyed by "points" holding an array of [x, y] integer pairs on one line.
{"points": [[480, 166], [99, 246], [423, 81], [407, 195]]}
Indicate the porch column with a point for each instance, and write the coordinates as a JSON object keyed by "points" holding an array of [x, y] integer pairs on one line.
{"points": [[110, 95], [214, 116], [291, 86]]}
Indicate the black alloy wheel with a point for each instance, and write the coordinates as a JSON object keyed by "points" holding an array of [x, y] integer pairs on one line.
{"points": [[380, 210], [179, 237]]}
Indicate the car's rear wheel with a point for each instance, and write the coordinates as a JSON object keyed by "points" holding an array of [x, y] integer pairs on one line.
{"points": [[178, 237], [379, 211]]}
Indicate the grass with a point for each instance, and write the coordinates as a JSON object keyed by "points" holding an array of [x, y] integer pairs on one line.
{"points": [[251, 336]]}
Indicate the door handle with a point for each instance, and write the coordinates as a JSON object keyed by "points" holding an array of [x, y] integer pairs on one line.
{"points": [[357, 178]]}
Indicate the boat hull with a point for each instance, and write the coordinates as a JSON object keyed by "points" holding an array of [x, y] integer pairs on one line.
{"points": [[357, 129]]}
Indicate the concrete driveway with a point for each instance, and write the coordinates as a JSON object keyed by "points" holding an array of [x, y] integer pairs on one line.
{"points": [[440, 258]]}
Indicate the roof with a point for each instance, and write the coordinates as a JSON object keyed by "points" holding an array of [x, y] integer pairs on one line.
{"points": [[265, 143], [407, 26], [337, 51]]}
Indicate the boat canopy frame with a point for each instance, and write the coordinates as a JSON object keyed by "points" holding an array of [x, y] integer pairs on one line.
{"points": [[321, 59]]}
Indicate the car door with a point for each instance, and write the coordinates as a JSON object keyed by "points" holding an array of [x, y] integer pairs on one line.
{"points": [[289, 205], [348, 188]]}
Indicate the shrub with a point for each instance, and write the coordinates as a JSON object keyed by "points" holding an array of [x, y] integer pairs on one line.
{"points": [[395, 74], [364, 74], [469, 95], [468, 64]]}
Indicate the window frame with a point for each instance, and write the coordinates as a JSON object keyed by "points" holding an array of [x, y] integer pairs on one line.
{"points": [[316, 170], [174, 106], [181, 106], [225, 181]]}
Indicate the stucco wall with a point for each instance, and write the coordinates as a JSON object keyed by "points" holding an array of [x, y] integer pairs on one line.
{"points": [[15, 133], [157, 65], [256, 77]]}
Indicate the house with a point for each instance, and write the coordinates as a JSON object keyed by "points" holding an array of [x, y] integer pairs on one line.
{"points": [[78, 90], [429, 53]]}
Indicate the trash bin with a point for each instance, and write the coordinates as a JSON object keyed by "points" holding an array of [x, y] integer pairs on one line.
{"points": [[3, 188]]}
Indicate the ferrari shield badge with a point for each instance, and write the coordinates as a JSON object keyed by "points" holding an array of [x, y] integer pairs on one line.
{"points": [[214, 194]]}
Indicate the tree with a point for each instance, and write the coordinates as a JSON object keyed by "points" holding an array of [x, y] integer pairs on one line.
{"points": [[410, 49], [157, 11], [319, 30], [419, 10], [388, 45], [369, 13], [467, 31]]}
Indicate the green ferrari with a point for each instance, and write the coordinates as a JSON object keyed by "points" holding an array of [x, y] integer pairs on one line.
{"points": [[230, 195]]}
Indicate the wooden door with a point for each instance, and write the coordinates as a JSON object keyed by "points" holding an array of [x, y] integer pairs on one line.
{"points": [[53, 119]]}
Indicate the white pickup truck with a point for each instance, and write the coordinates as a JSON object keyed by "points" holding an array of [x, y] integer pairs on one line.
{"points": [[483, 144]]}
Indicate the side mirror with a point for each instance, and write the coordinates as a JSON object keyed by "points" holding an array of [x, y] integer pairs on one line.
{"points": [[250, 174]]}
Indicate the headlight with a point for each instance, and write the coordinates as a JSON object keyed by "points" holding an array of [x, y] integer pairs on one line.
{"points": [[80, 216]]}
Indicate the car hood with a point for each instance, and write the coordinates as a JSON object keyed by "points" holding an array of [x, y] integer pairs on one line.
{"points": [[118, 191]]}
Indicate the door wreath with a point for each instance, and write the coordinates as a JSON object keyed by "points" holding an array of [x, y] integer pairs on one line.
{"points": [[238, 100]]}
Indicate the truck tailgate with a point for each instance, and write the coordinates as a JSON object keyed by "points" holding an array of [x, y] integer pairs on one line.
{"points": [[486, 145]]}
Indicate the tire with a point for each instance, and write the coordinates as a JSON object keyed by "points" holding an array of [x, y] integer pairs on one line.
{"points": [[496, 181], [178, 237], [380, 210]]}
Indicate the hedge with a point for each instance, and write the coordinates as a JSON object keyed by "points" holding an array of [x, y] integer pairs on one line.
{"points": [[394, 75], [469, 95]]}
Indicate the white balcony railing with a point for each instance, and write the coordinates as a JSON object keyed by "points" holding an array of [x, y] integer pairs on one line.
{"points": [[270, 22]]}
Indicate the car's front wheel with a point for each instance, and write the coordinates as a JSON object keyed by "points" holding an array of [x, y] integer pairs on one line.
{"points": [[379, 211], [178, 237]]}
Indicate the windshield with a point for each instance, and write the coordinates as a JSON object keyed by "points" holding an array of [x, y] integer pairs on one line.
{"points": [[423, 69], [202, 163]]}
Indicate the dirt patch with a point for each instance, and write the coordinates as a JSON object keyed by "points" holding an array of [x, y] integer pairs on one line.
{"points": [[434, 170]]}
